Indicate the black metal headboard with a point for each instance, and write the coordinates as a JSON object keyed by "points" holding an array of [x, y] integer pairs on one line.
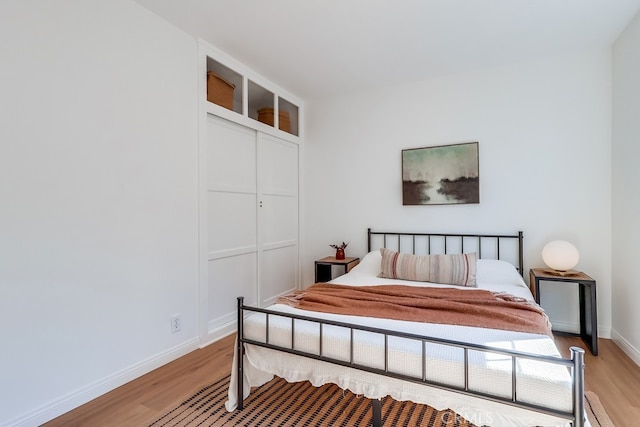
{"points": [[428, 243]]}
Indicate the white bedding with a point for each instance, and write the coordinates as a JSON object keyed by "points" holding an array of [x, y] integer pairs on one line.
{"points": [[537, 382]]}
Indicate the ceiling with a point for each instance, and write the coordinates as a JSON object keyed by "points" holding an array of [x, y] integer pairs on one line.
{"points": [[320, 48]]}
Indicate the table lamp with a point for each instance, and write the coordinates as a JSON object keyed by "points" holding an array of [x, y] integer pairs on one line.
{"points": [[560, 256]]}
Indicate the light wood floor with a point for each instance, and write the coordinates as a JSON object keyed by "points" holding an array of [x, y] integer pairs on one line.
{"points": [[612, 375]]}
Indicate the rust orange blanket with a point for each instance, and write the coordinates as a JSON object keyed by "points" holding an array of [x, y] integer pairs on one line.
{"points": [[465, 307]]}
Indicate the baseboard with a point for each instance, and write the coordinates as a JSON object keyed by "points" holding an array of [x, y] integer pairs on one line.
{"points": [[71, 401], [216, 332], [626, 346], [574, 328]]}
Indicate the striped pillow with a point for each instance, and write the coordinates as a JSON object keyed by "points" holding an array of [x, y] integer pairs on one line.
{"points": [[451, 269]]}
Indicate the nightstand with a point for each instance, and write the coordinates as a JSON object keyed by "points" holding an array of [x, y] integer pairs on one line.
{"points": [[323, 267], [587, 295]]}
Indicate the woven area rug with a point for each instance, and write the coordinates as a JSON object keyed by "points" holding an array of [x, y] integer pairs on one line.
{"points": [[279, 403], [598, 417]]}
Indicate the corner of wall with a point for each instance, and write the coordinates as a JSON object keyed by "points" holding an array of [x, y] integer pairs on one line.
{"points": [[626, 347]]}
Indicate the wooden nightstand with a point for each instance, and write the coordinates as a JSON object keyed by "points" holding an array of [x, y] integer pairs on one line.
{"points": [[323, 267], [587, 295]]}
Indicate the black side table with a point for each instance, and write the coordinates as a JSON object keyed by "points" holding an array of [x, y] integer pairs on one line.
{"points": [[587, 294], [323, 267]]}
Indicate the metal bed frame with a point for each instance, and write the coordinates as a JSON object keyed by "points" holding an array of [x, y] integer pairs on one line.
{"points": [[575, 362], [446, 237]]}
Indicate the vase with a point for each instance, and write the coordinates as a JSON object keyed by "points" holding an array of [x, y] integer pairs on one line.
{"points": [[339, 253]]}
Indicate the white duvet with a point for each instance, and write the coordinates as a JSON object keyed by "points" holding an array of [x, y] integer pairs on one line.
{"points": [[537, 382]]}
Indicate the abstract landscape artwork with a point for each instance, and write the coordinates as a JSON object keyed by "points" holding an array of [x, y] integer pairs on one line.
{"points": [[441, 175]]}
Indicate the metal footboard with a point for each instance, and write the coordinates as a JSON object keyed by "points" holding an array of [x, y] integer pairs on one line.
{"points": [[575, 362]]}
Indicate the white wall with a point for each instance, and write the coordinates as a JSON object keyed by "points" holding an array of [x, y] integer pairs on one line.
{"points": [[98, 200], [98, 186], [544, 133], [626, 197]]}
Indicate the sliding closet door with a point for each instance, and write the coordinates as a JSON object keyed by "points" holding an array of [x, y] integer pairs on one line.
{"points": [[231, 213], [251, 221], [278, 217]]}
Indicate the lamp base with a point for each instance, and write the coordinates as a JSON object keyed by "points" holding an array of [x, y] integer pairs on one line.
{"points": [[562, 273]]}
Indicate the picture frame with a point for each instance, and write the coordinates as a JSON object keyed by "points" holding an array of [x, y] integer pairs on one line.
{"points": [[441, 175]]}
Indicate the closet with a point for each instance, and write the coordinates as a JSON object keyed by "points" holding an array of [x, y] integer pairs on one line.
{"points": [[248, 204]]}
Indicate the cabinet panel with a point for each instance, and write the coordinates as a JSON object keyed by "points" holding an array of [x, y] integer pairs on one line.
{"points": [[280, 216], [278, 273], [231, 156], [278, 166], [230, 278], [231, 222]]}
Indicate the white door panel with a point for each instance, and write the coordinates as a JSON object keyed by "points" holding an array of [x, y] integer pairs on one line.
{"points": [[231, 220], [280, 216], [278, 166], [231, 156], [230, 278], [278, 274]]}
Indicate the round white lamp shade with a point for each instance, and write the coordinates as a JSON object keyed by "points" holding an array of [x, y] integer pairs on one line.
{"points": [[560, 255]]}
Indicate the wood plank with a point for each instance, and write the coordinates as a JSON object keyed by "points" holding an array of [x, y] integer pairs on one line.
{"points": [[612, 375], [141, 399]]}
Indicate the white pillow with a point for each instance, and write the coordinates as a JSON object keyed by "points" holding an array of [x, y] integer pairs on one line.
{"points": [[499, 272], [369, 264], [487, 270]]}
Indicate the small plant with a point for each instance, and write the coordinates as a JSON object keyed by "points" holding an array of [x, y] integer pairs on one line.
{"points": [[342, 246], [340, 250]]}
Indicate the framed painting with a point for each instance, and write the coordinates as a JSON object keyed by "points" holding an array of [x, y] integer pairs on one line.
{"points": [[441, 175]]}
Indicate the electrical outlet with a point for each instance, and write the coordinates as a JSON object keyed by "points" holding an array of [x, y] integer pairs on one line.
{"points": [[176, 323]]}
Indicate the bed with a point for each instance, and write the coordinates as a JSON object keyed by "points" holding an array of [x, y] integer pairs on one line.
{"points": [[490, 376]]}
